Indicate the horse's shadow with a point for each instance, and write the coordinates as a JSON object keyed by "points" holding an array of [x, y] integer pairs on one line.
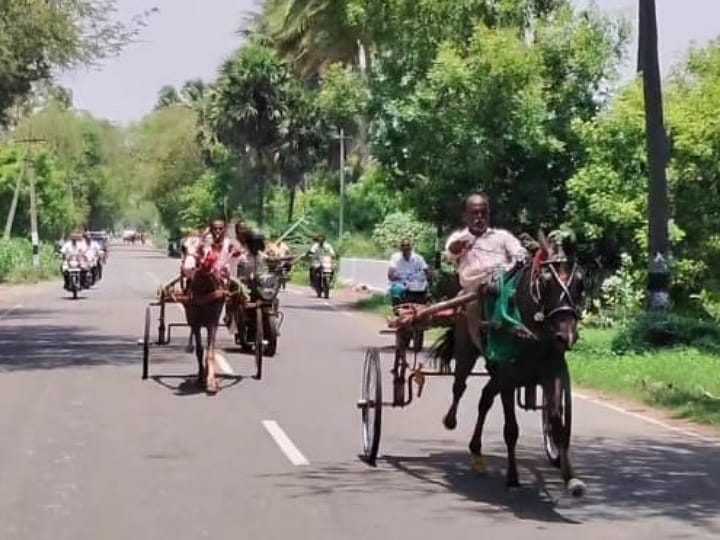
{"points": [[535, 500], [189, 385]]}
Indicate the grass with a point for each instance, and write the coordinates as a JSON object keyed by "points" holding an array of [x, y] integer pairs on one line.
{"points": [[683, 379], [16, 262]]}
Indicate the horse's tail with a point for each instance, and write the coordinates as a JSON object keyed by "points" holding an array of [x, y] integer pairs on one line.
{"points": [[444, 348]]}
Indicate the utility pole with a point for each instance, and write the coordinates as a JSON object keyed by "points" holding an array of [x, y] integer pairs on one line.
{"points": [[341, 221], [26, 161], [658, 156]]}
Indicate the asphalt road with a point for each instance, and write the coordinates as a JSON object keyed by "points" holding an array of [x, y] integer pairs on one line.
{"points": [[90, 451]]}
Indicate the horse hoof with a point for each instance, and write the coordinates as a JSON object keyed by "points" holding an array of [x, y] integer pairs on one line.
{"points": [[450, 421], [478, 463], [576, 488], [211, 387], [512, 485]]}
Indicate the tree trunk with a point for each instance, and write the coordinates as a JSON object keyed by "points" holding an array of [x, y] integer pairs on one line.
{"points": [[291, 202]]}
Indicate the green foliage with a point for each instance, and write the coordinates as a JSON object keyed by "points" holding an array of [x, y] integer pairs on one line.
{"points": [[343, 97], [16, 262], [661, 330], [608, 194], [37, 36], [399, 225]]}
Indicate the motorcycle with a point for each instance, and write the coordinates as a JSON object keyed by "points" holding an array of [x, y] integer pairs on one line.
{"points": [[414, 290], [323, 276], [74, 271], [259, 318]]}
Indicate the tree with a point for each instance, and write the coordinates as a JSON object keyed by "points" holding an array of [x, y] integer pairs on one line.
{"points": [[250, 101], [37, 37], [477, 95]]}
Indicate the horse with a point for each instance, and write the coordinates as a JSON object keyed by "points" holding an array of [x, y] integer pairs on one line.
{"points": [[204, 303], [548, 296]]}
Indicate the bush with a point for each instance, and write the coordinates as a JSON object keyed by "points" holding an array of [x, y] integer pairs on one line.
{"points": [[660, 329], [16, 262], [399, 225]]}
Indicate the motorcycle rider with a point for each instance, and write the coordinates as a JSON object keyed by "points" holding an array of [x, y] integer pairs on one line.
{"points": [[318, 250], [75, 247], [408, 274], [93, 252]]}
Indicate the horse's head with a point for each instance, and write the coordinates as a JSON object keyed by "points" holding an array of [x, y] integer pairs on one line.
{"points": [[557, 289]]}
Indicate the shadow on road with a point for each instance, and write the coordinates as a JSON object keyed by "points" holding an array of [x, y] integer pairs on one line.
{"points": [[48, 346], [640, 478], [189, 385]]}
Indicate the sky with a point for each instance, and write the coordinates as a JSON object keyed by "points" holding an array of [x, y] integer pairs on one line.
{"points": [[187, 39]]}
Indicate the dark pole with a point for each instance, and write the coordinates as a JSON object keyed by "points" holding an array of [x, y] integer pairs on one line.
{"points": [[658, 155]]}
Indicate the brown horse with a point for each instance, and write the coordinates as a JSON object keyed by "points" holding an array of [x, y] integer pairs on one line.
{"points": [[548, 296], [205, 299]]}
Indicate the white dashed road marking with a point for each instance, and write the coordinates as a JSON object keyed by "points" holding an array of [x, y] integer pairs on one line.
{"points": [[286, 445]]}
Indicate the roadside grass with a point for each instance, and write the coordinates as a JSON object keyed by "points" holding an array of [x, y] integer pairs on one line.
{"points": [[683, 379], [16, 262]]}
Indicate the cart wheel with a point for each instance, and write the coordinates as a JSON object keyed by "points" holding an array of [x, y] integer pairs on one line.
{"points": [[551, 446], [258, 342], [146, 344], [371, 406]]}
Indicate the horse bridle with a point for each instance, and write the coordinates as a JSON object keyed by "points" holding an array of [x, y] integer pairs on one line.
{"points": [[569, 306]]}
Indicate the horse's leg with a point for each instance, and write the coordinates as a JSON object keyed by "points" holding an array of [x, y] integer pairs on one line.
{"points": [[211, 385], [466, 354], [510, 433], [490, 390], [196, 332], [561, 434]]}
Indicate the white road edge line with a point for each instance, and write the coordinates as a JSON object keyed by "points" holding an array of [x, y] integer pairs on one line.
{"points": [[648, 419], [9, 310], [286, 445]]}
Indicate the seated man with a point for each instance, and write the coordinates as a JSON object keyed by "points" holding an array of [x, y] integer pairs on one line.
{"points": [[479, 252], [408, 274]]}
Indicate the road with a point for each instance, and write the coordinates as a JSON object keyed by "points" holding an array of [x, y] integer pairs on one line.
{"points": [[90, 451]]}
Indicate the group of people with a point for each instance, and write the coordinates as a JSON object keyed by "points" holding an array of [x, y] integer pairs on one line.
{"points": [[89, 251], [213, 250], [478, 251]]}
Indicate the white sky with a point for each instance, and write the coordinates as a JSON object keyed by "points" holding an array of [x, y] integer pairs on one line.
{"points": [[187, 39]]}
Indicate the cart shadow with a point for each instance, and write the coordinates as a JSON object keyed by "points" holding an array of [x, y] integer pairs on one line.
{"points": [[629, 479], [189, 385]]}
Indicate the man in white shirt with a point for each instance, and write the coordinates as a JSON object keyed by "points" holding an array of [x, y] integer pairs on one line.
{"points": [[478, 252], [408, 275]]}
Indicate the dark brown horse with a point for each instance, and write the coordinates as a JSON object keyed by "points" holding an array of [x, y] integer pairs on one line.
{"points": [[548, 297], [205, 300]]}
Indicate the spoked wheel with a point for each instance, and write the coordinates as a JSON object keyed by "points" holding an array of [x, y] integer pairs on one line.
{"points": [[146, 344], [370, 406], [552, 448], [258, 342]]}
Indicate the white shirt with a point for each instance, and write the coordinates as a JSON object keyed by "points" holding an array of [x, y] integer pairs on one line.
{"points": [[68, 249], [412, 269], [494, 249]]}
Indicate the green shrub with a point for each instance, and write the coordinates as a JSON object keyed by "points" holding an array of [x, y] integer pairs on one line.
{"points": [[399, 225], [659, 329], [16, 262]]}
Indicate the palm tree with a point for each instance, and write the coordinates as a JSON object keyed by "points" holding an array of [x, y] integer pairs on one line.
{"points": [[248, 107], [312, 34], [167, 96]]}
